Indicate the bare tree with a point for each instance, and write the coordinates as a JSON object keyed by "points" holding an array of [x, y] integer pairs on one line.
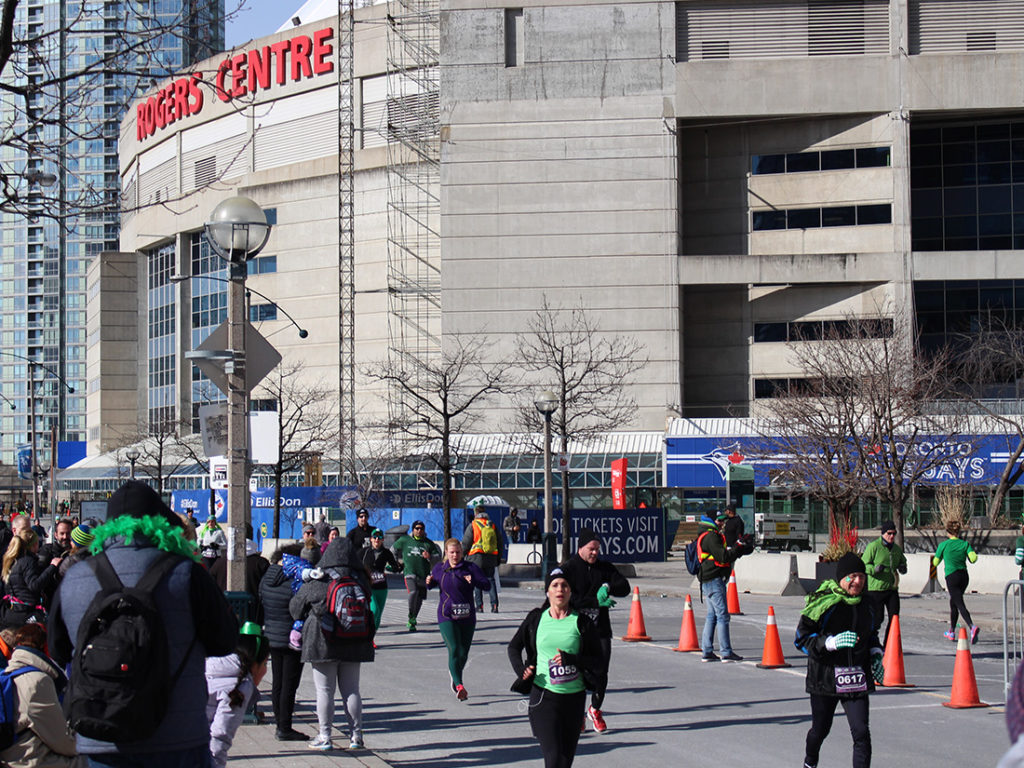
{"points": [[442, 398], [566, 352], [307, 423], [862, 419], [164, 450], [58, 90]]}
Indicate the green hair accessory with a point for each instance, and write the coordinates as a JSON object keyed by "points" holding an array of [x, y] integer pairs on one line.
{"points": [[255, 630], [155, 528]]}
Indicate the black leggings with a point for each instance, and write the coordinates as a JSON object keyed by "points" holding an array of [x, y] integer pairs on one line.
{"points": [[556, 720], [597, 697], [286, 664], [956, 583], [823, 710]]}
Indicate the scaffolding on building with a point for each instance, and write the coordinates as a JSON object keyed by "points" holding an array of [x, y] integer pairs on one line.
{"points": [[413, 185], [346, 237]]}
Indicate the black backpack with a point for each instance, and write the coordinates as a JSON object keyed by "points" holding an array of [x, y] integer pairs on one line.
{"points": [[120, 681]]}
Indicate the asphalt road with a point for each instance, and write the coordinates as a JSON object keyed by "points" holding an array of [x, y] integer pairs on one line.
{"points": [[665, 708]]}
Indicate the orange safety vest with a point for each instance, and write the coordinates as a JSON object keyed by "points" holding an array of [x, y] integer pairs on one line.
{"points": [[478, 548], [702, 555]]}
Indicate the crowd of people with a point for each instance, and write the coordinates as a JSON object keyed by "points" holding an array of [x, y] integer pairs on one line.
{"points": [[147, 585]]}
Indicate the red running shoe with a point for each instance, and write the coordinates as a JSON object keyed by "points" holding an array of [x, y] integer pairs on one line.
{"points": [[461, 693], [597, 719]]}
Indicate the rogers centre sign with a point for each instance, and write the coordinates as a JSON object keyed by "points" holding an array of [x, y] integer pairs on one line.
{"points": [[295, 59]]}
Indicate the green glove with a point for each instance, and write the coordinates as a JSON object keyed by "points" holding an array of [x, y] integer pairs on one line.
{"points": [[842, 640], [603, 599], [877, 670]]}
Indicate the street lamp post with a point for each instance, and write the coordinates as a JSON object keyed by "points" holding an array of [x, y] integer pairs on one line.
{"points": [[546, 403], [237, 231], [133, 455]]}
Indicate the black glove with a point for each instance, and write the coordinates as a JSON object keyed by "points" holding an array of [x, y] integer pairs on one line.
{"points": [[902, 568]]}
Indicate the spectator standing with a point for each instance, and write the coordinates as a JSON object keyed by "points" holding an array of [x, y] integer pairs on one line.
{"points": [[61, 544], [321, 528], [27, 580], [332, 534], [512, 525], [310, 546], [232, 682], [44, 739], [533, 533], [360, 535], [81, 539], [715, 569], [733, 528], [335, 662], [415, 551], [275, 591], [885, 561], [593, 582], [141, 532], [480, 540]]}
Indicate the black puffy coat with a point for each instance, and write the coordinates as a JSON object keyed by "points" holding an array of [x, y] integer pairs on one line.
{"points": [[275, 592], [28, 582], [821, 662]]}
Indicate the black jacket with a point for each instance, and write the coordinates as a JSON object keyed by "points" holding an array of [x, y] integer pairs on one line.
{"points": [[821, 663], [359, 536], [275, 592], [585, 579], [588, 659], [376, 560], [28, 582], [733, 528], [714, 544]]}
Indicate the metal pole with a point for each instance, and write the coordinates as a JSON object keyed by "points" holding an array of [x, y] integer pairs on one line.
{"points": [[238, 485], [550, 540], [32, 436]]}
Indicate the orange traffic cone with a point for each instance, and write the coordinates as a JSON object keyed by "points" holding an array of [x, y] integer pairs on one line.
{"points": [[893, 661], [688, 630], [771, 656], [964, 693], [636, 631], [732, 597]]}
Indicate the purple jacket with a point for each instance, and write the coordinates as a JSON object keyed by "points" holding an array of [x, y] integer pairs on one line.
{"points": [[457, 603]]}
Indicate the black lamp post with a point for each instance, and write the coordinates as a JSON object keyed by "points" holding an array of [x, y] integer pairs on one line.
{"points": [[546, 403]]}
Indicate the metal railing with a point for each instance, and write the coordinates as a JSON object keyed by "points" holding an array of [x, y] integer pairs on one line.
{"points": [[1013, 632]]}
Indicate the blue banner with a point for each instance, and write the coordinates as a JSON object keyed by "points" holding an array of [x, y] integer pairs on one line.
{"points": [[25, 462], [700, 461]]}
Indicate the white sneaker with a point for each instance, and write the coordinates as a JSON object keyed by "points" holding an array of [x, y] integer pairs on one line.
{"points": [[356, 743], [320, 743]]}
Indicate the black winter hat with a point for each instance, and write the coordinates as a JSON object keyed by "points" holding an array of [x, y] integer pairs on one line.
{"points": [[587, 535], [136, 499], [556, 573], [887, 525], [849, 563]]}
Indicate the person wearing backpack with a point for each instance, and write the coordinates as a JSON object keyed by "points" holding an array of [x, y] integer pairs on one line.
{"points": [[456, 619], [41, 736], [715, 568], [335, 660], [482, 546], [156, 629]]}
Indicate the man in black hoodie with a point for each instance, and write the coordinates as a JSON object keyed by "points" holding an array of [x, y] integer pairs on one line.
{"points": [[593, 583]]}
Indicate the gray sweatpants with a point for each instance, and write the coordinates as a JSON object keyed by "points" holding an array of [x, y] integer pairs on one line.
{"points": [[343, 675]]}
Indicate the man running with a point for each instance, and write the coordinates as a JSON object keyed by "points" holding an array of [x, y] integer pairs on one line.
{"points": [[593, 583], [415, 552]]}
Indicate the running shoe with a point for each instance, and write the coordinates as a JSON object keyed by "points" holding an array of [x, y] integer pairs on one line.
{"points": [[595, 716], [494, 608], [974, 634], [290, 735], [710, 656], [949, 635], [732, 657], [320, 743], [411, 625], [461, 693], [356, 743], [479, 607]]}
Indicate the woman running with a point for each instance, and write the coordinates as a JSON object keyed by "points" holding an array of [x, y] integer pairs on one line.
{"points": [[956, 552], [456, 615], [377, 558], [563, 659], [844, 659]]}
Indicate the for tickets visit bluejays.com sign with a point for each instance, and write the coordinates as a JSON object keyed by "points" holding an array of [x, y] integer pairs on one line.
{"points": [[627, 535]]}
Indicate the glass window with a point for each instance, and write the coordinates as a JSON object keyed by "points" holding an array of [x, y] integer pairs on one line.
{"points": [[807, 330], [764, 332], [764, 164], [763, 220], [803, 218], [800, 162], [960, 201], [874, 214], [841, 216], [836, 159], [873, 157]]}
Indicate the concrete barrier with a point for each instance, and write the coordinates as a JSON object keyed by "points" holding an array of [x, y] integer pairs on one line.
{"points": [[523, 554], [805, 563], [916, 580], [989, 575], [768, 573]]}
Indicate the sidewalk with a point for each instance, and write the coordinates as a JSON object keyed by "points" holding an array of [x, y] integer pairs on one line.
{"points": [[256, 747]]}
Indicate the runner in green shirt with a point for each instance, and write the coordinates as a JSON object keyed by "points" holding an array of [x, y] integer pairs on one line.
{"points": [[956, 552], [415, 552]]}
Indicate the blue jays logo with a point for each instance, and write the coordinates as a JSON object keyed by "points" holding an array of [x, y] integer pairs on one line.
{"points": [[723, 457]]}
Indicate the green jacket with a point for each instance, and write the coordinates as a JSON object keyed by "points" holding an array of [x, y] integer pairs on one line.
{"points": [[890, 558], [410, 551]]}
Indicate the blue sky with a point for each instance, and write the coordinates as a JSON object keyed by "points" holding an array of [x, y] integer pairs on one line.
{"points": [[257, 18]]}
